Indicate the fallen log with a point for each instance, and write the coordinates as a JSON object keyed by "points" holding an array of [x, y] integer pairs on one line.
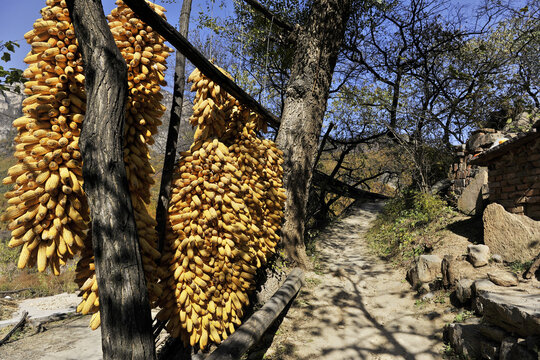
{"points": [[253, 329], [12, 331], [10, 292]]}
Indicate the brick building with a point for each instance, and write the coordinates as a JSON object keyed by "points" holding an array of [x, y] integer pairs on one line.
{"points": [[514, 173]]}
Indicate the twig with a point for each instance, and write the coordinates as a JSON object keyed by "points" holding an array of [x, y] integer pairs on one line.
{"points": [[8, 292], [270, 15], [19, 324]]}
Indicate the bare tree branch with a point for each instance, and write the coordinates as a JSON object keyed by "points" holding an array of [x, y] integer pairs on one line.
{"points": [[270, 15]]}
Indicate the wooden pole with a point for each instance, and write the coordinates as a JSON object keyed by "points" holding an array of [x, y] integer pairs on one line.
{"points": [[174, 126], [253, 329]]}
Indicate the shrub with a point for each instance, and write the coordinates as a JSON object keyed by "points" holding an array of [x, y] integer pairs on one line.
{"points": [[406, 227]]}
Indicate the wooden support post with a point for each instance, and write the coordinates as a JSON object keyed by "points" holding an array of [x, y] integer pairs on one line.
{"points": [[126, 323], [253, 329]]}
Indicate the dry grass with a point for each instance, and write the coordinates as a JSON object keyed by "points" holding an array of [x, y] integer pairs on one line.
{"points": [[38, 284]]}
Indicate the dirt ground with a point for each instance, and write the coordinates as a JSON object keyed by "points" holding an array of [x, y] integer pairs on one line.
{"points": [[357, 306], [70, 339], [354, 306]]}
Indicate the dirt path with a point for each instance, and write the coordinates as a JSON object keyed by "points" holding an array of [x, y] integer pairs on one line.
{"points": [[357, 306]]}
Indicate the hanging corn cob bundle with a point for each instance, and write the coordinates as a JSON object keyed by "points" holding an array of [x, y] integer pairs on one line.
{"points": [[48, 211], [223, 217], [145, 53], [85, 278]]}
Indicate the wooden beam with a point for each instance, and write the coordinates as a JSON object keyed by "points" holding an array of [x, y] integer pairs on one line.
{"points": [[174, 128], [149, 16], [253, 329]]}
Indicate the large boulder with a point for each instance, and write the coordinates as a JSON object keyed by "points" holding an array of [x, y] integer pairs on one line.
{"points": [[470, 201], [464, 290], [515, 237], [515, 349], [465, 339]]}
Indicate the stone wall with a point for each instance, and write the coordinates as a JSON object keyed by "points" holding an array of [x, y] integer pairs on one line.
{"points": [[461, 172], [514, 180]]}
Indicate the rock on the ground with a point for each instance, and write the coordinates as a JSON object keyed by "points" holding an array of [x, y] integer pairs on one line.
{"points": [[515, 237], [477, 340], [464, 290], [489, 350], [513, 310], [47, 308], [465, 339], [492, 332], [514, 349], [449, 271], [470, 201], [497, 258], [503, 278], [478, 255], [425, 270]]}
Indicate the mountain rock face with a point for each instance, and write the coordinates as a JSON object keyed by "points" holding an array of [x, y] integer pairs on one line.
{"points": [[10, 109], [185, 135]]}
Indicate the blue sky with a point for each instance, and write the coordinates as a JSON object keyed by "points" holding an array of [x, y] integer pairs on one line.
{"points": [[17, 17]]}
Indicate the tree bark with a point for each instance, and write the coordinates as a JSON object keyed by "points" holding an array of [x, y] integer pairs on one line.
{"points": [[318, 44], [126, 324], [174, 126]]}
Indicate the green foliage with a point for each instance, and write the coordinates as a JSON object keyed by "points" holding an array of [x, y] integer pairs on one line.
{"points": [[7, 255], [407, 225], [9, 76], [464, 315], [519, 267]]}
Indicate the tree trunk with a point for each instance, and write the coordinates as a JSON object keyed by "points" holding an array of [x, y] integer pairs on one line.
{"points": [[126, 324], [174, 125], [318, 44]]}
